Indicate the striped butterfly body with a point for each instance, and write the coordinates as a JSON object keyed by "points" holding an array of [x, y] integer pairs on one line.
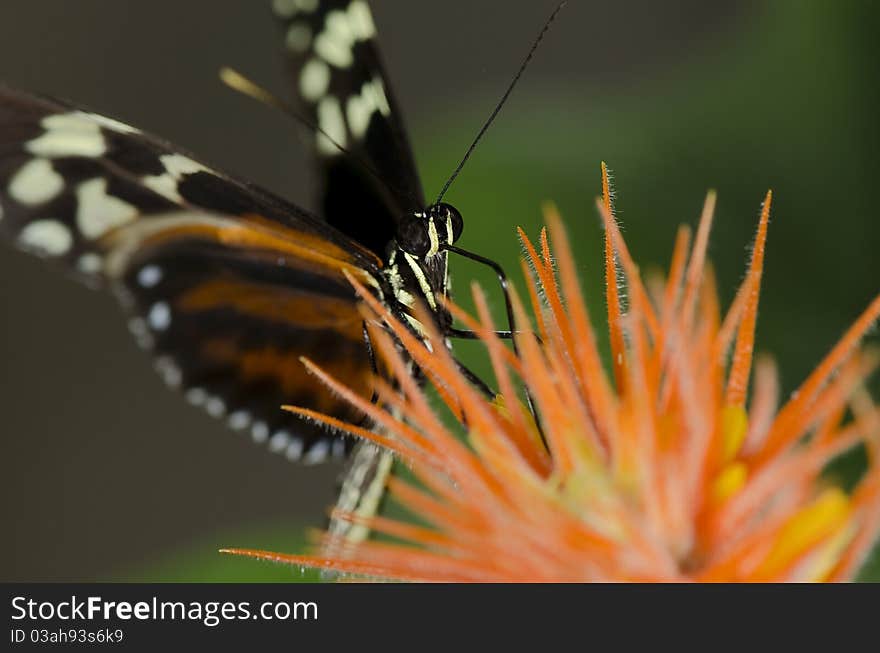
{"points": [[226, 284]]}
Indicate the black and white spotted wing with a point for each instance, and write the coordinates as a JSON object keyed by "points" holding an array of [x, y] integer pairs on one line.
{"points": [[339, 78], [226, 284]]}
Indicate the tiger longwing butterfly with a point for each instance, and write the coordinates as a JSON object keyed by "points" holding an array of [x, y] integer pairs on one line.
{"points": [[226, 284]]}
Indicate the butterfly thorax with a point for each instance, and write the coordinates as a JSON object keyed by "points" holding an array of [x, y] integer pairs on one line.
{"points": [[417, 266]]}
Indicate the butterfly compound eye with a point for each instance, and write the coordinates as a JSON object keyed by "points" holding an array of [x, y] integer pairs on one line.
{"points": [[446, 213], [457, 222], [412, 236]]}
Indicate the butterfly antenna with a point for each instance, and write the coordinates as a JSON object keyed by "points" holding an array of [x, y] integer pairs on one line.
{"points": [[506, 95], [238, 82]]}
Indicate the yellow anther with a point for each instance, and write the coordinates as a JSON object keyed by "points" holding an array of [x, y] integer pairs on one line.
{"points": [[734, 424], [823, 518], [729, 481]]}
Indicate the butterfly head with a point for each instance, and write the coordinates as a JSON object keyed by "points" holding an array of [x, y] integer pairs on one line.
{"points": [[427, 233]]}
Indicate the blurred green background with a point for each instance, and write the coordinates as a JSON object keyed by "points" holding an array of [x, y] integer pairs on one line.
{"points": [[107, 476]]}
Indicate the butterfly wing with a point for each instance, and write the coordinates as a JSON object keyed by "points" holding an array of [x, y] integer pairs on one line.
{"points": [[228, 285], [340, 80]]}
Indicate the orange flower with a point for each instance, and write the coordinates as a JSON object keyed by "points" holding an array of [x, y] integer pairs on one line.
{"points": [[659, 471]]}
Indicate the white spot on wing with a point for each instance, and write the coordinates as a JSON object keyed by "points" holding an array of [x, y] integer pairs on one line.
{"points": [[342, 29], [149, 275], [90, 263], [289, 8], [331, 121], [97, 212], [284, 8], [68, 134], [298, 37], [360, 108], [318, 453], [110, 123], [239, 420], [196, 396], [361, 20], [169, 371], [314, 80], [159, 316], [215, 407], [333, 52], [36, 182], [176, 167], [334, 44], [138, 328], [379, 97], [260, 432], [294, 449], [279, 441], [358, 111], [46, 238], [164, 184]]}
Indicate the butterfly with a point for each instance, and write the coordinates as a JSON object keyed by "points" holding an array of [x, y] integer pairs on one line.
{"points": [[227, 285]]}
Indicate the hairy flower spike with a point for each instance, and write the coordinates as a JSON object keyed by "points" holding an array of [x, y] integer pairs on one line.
{"points": [[669, 468]]}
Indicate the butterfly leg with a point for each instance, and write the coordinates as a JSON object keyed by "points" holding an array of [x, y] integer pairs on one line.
{"points": [[511, 320], [502, 280], [466, 334], [368, 343], [475, 380], [471, 376]]}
